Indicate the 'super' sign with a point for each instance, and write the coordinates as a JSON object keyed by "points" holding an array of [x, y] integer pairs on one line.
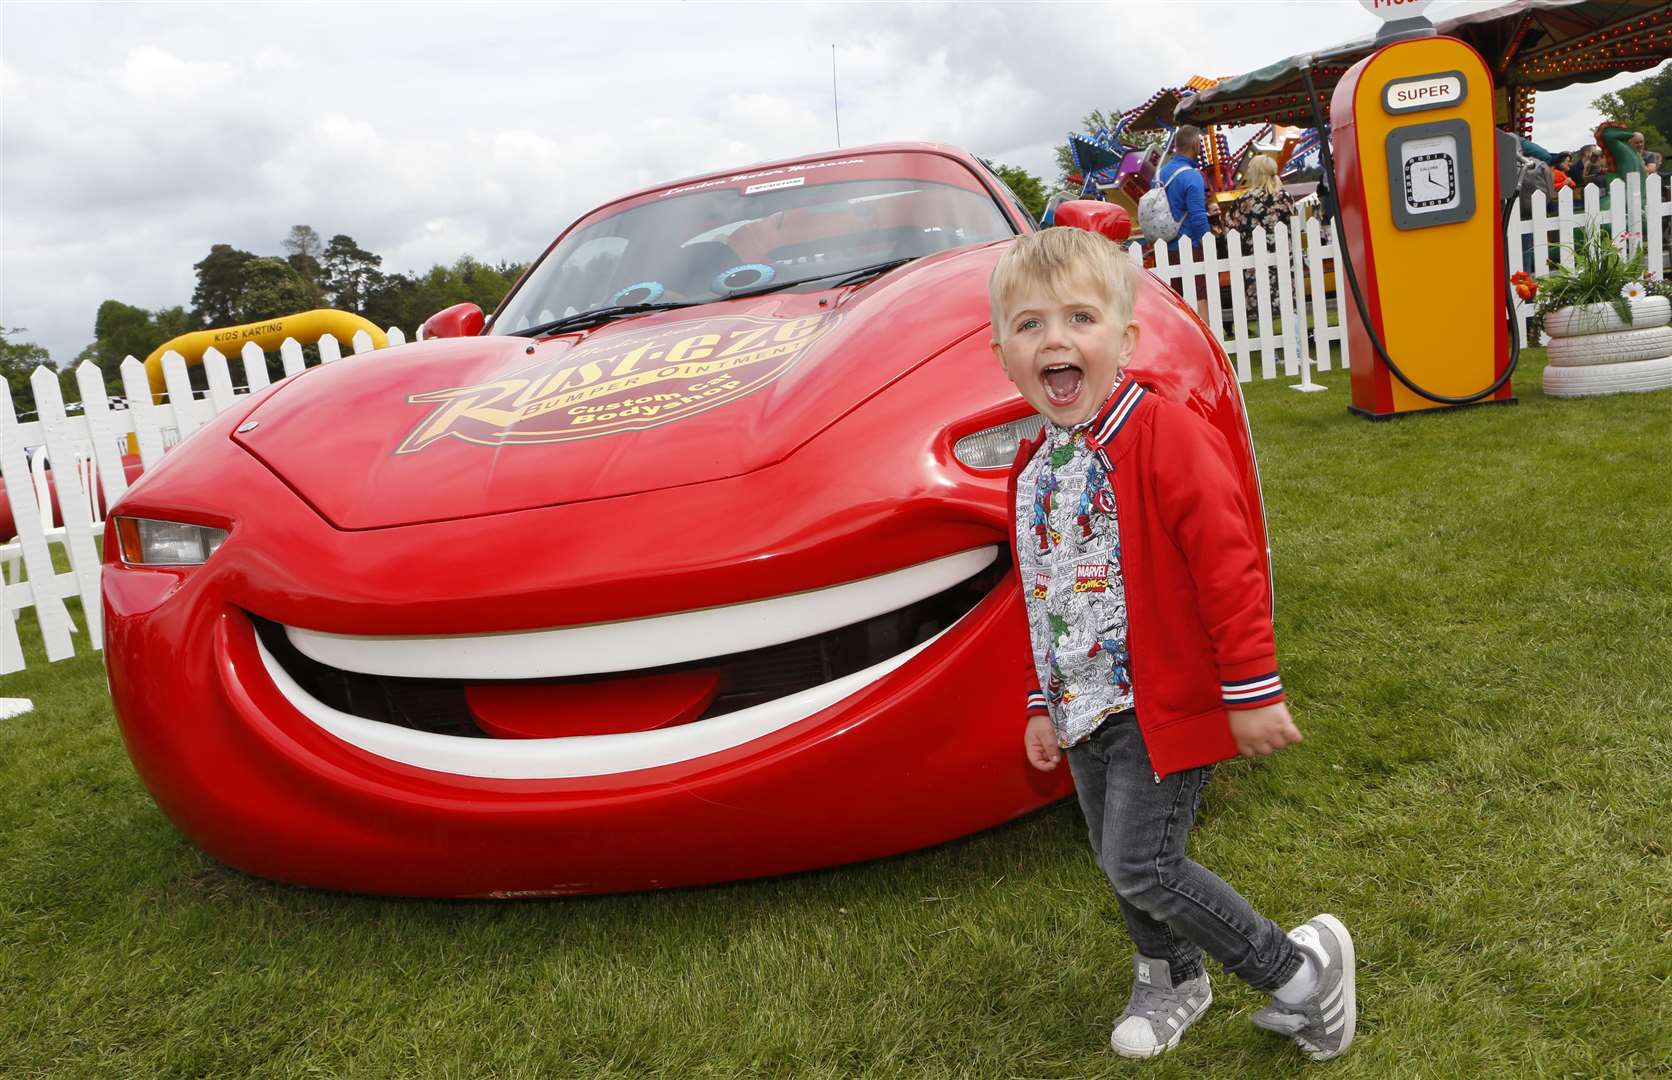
{"points": [[1425, 92]]}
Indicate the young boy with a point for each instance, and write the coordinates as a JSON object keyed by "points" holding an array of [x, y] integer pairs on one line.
{"points": [[1143, 590]]}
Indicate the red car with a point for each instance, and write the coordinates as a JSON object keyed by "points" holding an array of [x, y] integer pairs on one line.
{"points": [[690, 566]]}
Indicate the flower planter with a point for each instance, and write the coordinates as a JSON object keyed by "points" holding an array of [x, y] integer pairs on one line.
{"points": [[1647, 313], [1592, 351], [1635, 377], [1619, 347]]}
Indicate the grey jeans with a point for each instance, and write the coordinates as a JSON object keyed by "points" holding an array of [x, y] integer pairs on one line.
{"points": [[1174, 908]]}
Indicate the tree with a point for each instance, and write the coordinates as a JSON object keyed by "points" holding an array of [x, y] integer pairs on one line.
{"points": [[407, 300], [303, 240], [1644, 106], [272, 288], [18, 361], [349, 273], [120, 331], [220, 283], [302, 250], [1028, 188], [171, 323], [236, 286]]}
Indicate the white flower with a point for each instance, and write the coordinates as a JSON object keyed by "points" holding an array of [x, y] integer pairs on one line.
{"points": [[1634, 290]]}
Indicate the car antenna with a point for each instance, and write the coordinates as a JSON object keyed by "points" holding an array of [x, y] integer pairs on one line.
{"points": [[834, 104]]}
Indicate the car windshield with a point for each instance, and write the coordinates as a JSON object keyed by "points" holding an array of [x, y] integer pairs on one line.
{"points": [[771, 229]]}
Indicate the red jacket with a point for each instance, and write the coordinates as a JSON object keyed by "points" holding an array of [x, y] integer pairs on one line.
{"points": [[1199, 612]]}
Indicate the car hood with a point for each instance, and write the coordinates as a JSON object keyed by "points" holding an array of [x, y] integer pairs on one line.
{"points": [[472, 426]]}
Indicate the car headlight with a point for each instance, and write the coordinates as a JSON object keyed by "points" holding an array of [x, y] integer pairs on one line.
{"points": [[148, 542], [995, 447]]}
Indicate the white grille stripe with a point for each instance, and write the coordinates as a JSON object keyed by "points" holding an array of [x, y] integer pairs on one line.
{"points": [[578, 755], [604, 648]]}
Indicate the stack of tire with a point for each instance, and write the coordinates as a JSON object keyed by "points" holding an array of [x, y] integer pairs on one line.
{"points": [[1593, 352]]}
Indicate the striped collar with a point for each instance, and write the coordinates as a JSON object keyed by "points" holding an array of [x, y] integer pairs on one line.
{"points": [[1116, 412]]}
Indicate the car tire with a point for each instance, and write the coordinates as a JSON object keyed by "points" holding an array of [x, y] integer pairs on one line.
{"points": [[1635, 377], [1588, 319], [1620, 347]]}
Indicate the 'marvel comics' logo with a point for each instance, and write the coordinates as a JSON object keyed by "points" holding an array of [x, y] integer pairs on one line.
{"points": [[624, 383]]}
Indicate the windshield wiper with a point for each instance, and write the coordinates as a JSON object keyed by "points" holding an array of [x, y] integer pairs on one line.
{"points": [[850, 277], [584, 319], [876, 270]]}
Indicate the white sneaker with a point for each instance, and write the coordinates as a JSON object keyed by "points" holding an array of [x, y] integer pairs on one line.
{"points": [[1323, 1024], [1158, 1011]]}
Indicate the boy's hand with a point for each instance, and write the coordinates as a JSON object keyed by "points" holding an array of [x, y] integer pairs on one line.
{"points": [[1040, 741], [1265, 730]]}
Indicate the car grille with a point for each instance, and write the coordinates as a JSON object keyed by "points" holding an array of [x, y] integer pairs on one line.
{"points": [[746, 678]]}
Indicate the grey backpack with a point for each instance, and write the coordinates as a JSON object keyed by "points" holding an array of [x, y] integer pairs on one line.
{"points": [[1155, 214]]}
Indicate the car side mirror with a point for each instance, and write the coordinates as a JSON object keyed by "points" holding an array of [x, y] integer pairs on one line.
{"points": [[1104, 218], [460, 320]]}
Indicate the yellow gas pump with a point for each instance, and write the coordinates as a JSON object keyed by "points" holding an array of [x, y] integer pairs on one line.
{"points": [[1420, 176]]}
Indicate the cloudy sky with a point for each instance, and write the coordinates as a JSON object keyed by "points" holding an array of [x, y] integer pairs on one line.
{"points": [[134, 136]]}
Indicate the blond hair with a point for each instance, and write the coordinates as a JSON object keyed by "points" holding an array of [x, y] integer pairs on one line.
{"points": [[1261, 175], [1060, 258]]}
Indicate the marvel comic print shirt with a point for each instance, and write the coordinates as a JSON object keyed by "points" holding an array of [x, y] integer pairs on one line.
{"points": [[1068, 551]]}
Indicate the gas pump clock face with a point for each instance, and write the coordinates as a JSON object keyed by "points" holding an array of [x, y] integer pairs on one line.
{"points": [[1430, 172], [1431, 177]]}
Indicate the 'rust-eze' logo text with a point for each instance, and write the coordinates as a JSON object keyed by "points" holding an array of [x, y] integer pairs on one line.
{"points": [[622, 383]]}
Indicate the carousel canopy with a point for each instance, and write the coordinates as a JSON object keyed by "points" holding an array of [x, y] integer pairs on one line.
{"points": [[1530, 45], [1156, 114]]}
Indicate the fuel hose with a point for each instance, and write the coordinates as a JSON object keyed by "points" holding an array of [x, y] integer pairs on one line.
{"points": [[1333, 208]]}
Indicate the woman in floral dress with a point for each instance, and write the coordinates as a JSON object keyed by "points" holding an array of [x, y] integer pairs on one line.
{"points": [[1265, 203]]}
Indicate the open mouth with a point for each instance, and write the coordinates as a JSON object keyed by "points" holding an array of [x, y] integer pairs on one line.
{"points": [[1062, 383], [583, 701]]}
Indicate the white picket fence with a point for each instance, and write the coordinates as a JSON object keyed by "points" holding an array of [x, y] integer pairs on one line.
{"points": [[1286, 333], [85, 451], [1644, 217], [1277, 326]]}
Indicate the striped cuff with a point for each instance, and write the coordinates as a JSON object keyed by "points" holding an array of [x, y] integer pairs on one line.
{"points": [[1250, 693], [1036, 704]]}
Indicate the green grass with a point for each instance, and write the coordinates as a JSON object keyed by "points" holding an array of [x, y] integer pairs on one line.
{"points": [[1475, 618]]}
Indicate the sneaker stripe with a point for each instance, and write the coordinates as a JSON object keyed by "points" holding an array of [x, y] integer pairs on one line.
{"points": [[1337, 1026], [1173, 1022], [1334, 994]]}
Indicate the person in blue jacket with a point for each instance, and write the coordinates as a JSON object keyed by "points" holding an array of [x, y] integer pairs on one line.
{"points": [[1186, 196]]}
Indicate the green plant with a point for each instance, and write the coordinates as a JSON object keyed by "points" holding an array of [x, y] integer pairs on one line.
{"points": [[1601, 268]]}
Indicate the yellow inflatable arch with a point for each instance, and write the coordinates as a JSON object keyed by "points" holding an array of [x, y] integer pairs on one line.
{"points": [[308, 326]]}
